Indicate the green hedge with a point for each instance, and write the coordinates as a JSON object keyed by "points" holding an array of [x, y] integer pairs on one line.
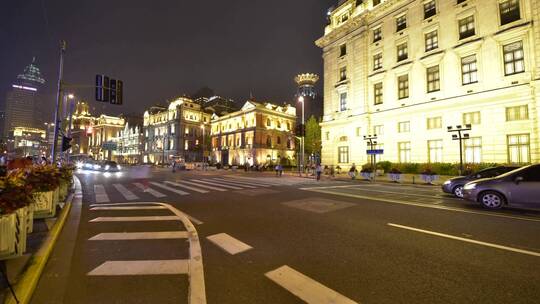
{"points": [[451, 169]]}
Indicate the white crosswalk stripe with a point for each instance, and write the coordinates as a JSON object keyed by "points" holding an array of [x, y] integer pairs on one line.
{"points": [[152, 192], [180, 192], [260, 181], [218, 184], [237, 182], [186, 187], [233, 183], [205, 186], [101, 195], [128, 195]]}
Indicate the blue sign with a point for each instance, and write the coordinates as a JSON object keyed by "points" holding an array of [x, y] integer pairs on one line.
{"points": [[375, 151]]}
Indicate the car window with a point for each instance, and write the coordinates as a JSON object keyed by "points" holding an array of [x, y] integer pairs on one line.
{"points": [[531, 174]]}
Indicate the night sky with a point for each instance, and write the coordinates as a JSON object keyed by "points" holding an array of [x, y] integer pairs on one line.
{"points": [[165, 48]]}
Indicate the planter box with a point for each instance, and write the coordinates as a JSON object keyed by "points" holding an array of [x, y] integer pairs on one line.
{"points": [[45, 204], [429, 178], [395, 177], [367, 175], [13, 232], [30, 218]]}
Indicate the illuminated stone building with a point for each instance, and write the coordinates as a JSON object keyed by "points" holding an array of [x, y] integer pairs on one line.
{"points": [[105, 128], [174, 132], [405, 70], [82, 129], [25, 141], [257, 134], [129, 142]]}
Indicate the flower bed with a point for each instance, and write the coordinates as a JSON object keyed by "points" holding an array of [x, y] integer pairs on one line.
{"points": [[45, 181]]}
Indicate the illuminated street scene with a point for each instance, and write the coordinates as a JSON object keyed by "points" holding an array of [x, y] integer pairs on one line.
{"points": [[321, 152]]}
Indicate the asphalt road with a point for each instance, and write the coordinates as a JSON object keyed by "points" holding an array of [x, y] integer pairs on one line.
{"points": [[266, 239]]}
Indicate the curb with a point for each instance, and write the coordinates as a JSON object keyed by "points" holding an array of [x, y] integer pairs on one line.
{"points": [[25, 286]]}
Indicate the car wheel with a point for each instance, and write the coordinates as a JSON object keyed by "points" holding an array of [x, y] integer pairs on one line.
{"points": [[458, 191], [492, 200]]}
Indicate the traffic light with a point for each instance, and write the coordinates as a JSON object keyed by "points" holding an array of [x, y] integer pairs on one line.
{"points": [[300, 130], [119, 92], [109, 90], [99, 87], [112, 91], [66, 143]]}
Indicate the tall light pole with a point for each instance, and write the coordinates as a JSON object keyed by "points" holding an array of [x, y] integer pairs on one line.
{"points": [[70, 98], [58, 102], [460, 136], [372, 143], [303, 130], [203, 146]]}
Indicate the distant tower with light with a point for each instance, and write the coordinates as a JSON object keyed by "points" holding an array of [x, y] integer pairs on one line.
{"points": [[306, 88]]}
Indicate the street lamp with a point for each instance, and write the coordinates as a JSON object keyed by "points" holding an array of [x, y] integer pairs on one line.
{"points": [[372, 143], [301, 100], [203, 146], [460, 136]]}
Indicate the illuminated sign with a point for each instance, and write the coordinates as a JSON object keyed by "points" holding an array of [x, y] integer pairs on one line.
{"points": [[24, 88]]}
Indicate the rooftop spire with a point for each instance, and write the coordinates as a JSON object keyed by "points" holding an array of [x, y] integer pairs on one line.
{"points": [[32, 73]]}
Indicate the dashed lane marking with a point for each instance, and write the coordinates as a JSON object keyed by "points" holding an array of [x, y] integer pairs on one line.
{"points": [[149, 267], [180, 192], [152, 192], [121, 236], [128, 195], [228, 243], [135, 219], [307, 289], [217, 184], [186, 187], [205, 186], [448, 236], [101, 195]]}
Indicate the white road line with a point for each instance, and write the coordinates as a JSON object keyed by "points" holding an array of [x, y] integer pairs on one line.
{"points": [[128, 208], [467, 240], [307, 289], [186, 187], [205, 186], [264, 181], [180, 192], [233, 183], [228, 243], [218, 184], [101, 195], [159, 267], [128, 195], [134, 219], [125, 236], [423, 205], [246, 182], [194, 220], [149, 190]]}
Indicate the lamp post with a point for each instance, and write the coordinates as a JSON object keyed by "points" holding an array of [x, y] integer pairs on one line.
{"points": [[303, 130], [372, 143], [203, 146], [460, 136]]}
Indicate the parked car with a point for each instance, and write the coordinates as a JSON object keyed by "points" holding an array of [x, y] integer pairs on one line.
{"points": [[518, 187], [455, 185], [110, 166]]}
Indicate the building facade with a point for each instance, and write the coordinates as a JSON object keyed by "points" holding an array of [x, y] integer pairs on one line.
{"points": [[406, 70], [129, 143], [25, 141], [256, 134], [175, 132], [101, 144]]}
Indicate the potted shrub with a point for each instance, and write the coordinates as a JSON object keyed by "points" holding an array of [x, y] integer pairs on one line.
{"points": [[367, 173], [395, 175], [338, 169], [15, 201], [45, 181], [429, 176]]}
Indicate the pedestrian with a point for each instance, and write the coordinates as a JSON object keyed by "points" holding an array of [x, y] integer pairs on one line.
{"points": [[280, 169], [318, 170], [352, 171]]}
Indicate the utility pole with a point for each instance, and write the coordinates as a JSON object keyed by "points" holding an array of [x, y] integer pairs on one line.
{"points": [[59, 97], [460, 136]]}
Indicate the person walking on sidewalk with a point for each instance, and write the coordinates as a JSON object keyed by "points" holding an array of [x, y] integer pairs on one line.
{"points": [[352, 171], [318, 171]]}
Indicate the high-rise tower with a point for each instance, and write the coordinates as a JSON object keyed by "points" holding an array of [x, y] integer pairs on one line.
{"points": [[22, 101], [306, 88]]}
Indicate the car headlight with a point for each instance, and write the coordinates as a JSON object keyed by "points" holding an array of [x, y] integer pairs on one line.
{"points": [[119, 167], [96, 167], [470, 186], [107, 167], [447, 182], [79, 165]]}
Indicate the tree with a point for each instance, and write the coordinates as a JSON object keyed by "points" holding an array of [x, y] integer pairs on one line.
{"points": [[313, 136]]}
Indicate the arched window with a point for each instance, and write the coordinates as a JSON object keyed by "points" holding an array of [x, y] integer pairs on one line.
{"points": [[279, 140], [269, 142], [268, 122]]}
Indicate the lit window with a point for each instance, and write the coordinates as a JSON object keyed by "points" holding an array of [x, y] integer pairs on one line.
{"points": [[469, 70], [343, 101], [518, 148], [268, 122], [432, 40], [434, 123], [378, 130], [404, 152], [517, 113], [513, 58], [378, 93], [403, 86], [377, 34], [509, 11], [433, 79], [429, 9], [404, 126], [343, 155], [473, 150], [435, 148], [471, 118], [401, 23], [402, 52], [342, 50], [377, 61], [343, 74], [466, 27]]}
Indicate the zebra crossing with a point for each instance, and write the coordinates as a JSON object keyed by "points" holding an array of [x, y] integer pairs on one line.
{"points": [[133, 191]]}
